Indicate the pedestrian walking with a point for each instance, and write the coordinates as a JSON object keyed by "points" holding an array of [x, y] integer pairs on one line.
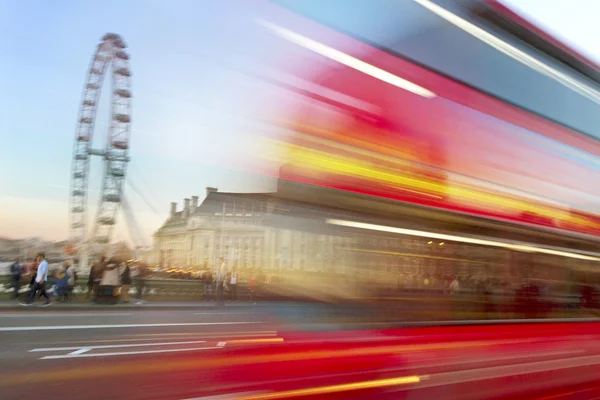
{"points": [[139, 278], [32, 274], [97, 278], [96, 272], [110, 283], [233, 282], [125, 283], [208, 280], [90, 283], [61, 288], [71, 280], [221, 277], [41, 277], [252, 288], [16, 272]]}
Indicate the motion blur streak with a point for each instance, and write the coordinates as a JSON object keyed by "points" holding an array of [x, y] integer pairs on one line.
{"points": [[348, 60], [463, 239], [409, 176], [397, 205], [511, 50], [336, 388], [167, 336], [209, 363], [272, 340], [561, 395], [480, 374]]}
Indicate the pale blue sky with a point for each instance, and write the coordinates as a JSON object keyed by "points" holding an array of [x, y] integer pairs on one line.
{"points": [[184, 132]]}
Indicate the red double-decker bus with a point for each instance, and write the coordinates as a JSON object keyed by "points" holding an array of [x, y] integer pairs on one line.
{"points": [[432, 139], [460, 106]]}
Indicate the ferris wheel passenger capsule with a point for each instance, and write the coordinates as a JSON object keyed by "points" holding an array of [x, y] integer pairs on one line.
{"points": [[122, 55], [120, 144], [124, 118], [123, 93], [123, 72]]}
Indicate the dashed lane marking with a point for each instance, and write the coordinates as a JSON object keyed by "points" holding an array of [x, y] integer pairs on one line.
{"points": [[61, 315], [125, 353], [115, 346], [117, 326]]}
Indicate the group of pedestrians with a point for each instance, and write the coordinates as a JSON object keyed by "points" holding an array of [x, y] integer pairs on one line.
{"points": [[37, 283], [111, 275], [65, 282], [104, 275], [225, 280]]}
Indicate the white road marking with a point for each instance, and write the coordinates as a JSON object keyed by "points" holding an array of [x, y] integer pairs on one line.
{"points": [[51, 315], [115, 346], [126, 353], [69, 327], [214, 334], [77, 352], [221, 313], [221, 344]]}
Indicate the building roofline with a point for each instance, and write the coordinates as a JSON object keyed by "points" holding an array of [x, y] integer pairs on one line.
{"points": [[211, 198]]}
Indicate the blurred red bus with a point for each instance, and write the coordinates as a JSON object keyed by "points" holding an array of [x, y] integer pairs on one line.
{"points": [[439, 104]]}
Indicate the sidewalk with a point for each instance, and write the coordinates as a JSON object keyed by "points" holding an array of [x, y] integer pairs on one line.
{"points": [[149, 305]]}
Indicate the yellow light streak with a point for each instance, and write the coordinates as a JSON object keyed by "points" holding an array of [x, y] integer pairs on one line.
{"points": [[406, 380]]}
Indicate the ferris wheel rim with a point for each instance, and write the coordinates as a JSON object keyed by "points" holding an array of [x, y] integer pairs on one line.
{"points": [[109, 55]]}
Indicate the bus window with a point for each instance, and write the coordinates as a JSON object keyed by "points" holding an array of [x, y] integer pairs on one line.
{"points": [[410, 30]]}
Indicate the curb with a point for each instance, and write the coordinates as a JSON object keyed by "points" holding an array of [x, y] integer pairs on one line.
{"points": [[148, 306]]}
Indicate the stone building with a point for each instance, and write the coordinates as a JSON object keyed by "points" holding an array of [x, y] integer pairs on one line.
{"points": [[255, 231], [231, 225], [241, 227]]}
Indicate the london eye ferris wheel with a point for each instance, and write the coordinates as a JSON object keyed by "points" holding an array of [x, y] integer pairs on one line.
{"points": [[110, 58]]}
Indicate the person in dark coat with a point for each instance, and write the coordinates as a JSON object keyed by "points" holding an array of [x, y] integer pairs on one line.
{"points": [[16, 271], [126, 282]]}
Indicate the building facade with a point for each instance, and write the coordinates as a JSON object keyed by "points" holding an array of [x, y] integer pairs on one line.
{"points": [[239, 227], [224, 224], [255, 231]]}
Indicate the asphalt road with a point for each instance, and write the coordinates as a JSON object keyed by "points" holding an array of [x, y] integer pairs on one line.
{"points": [[192, 351], [147, 352], [79, 354]]}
